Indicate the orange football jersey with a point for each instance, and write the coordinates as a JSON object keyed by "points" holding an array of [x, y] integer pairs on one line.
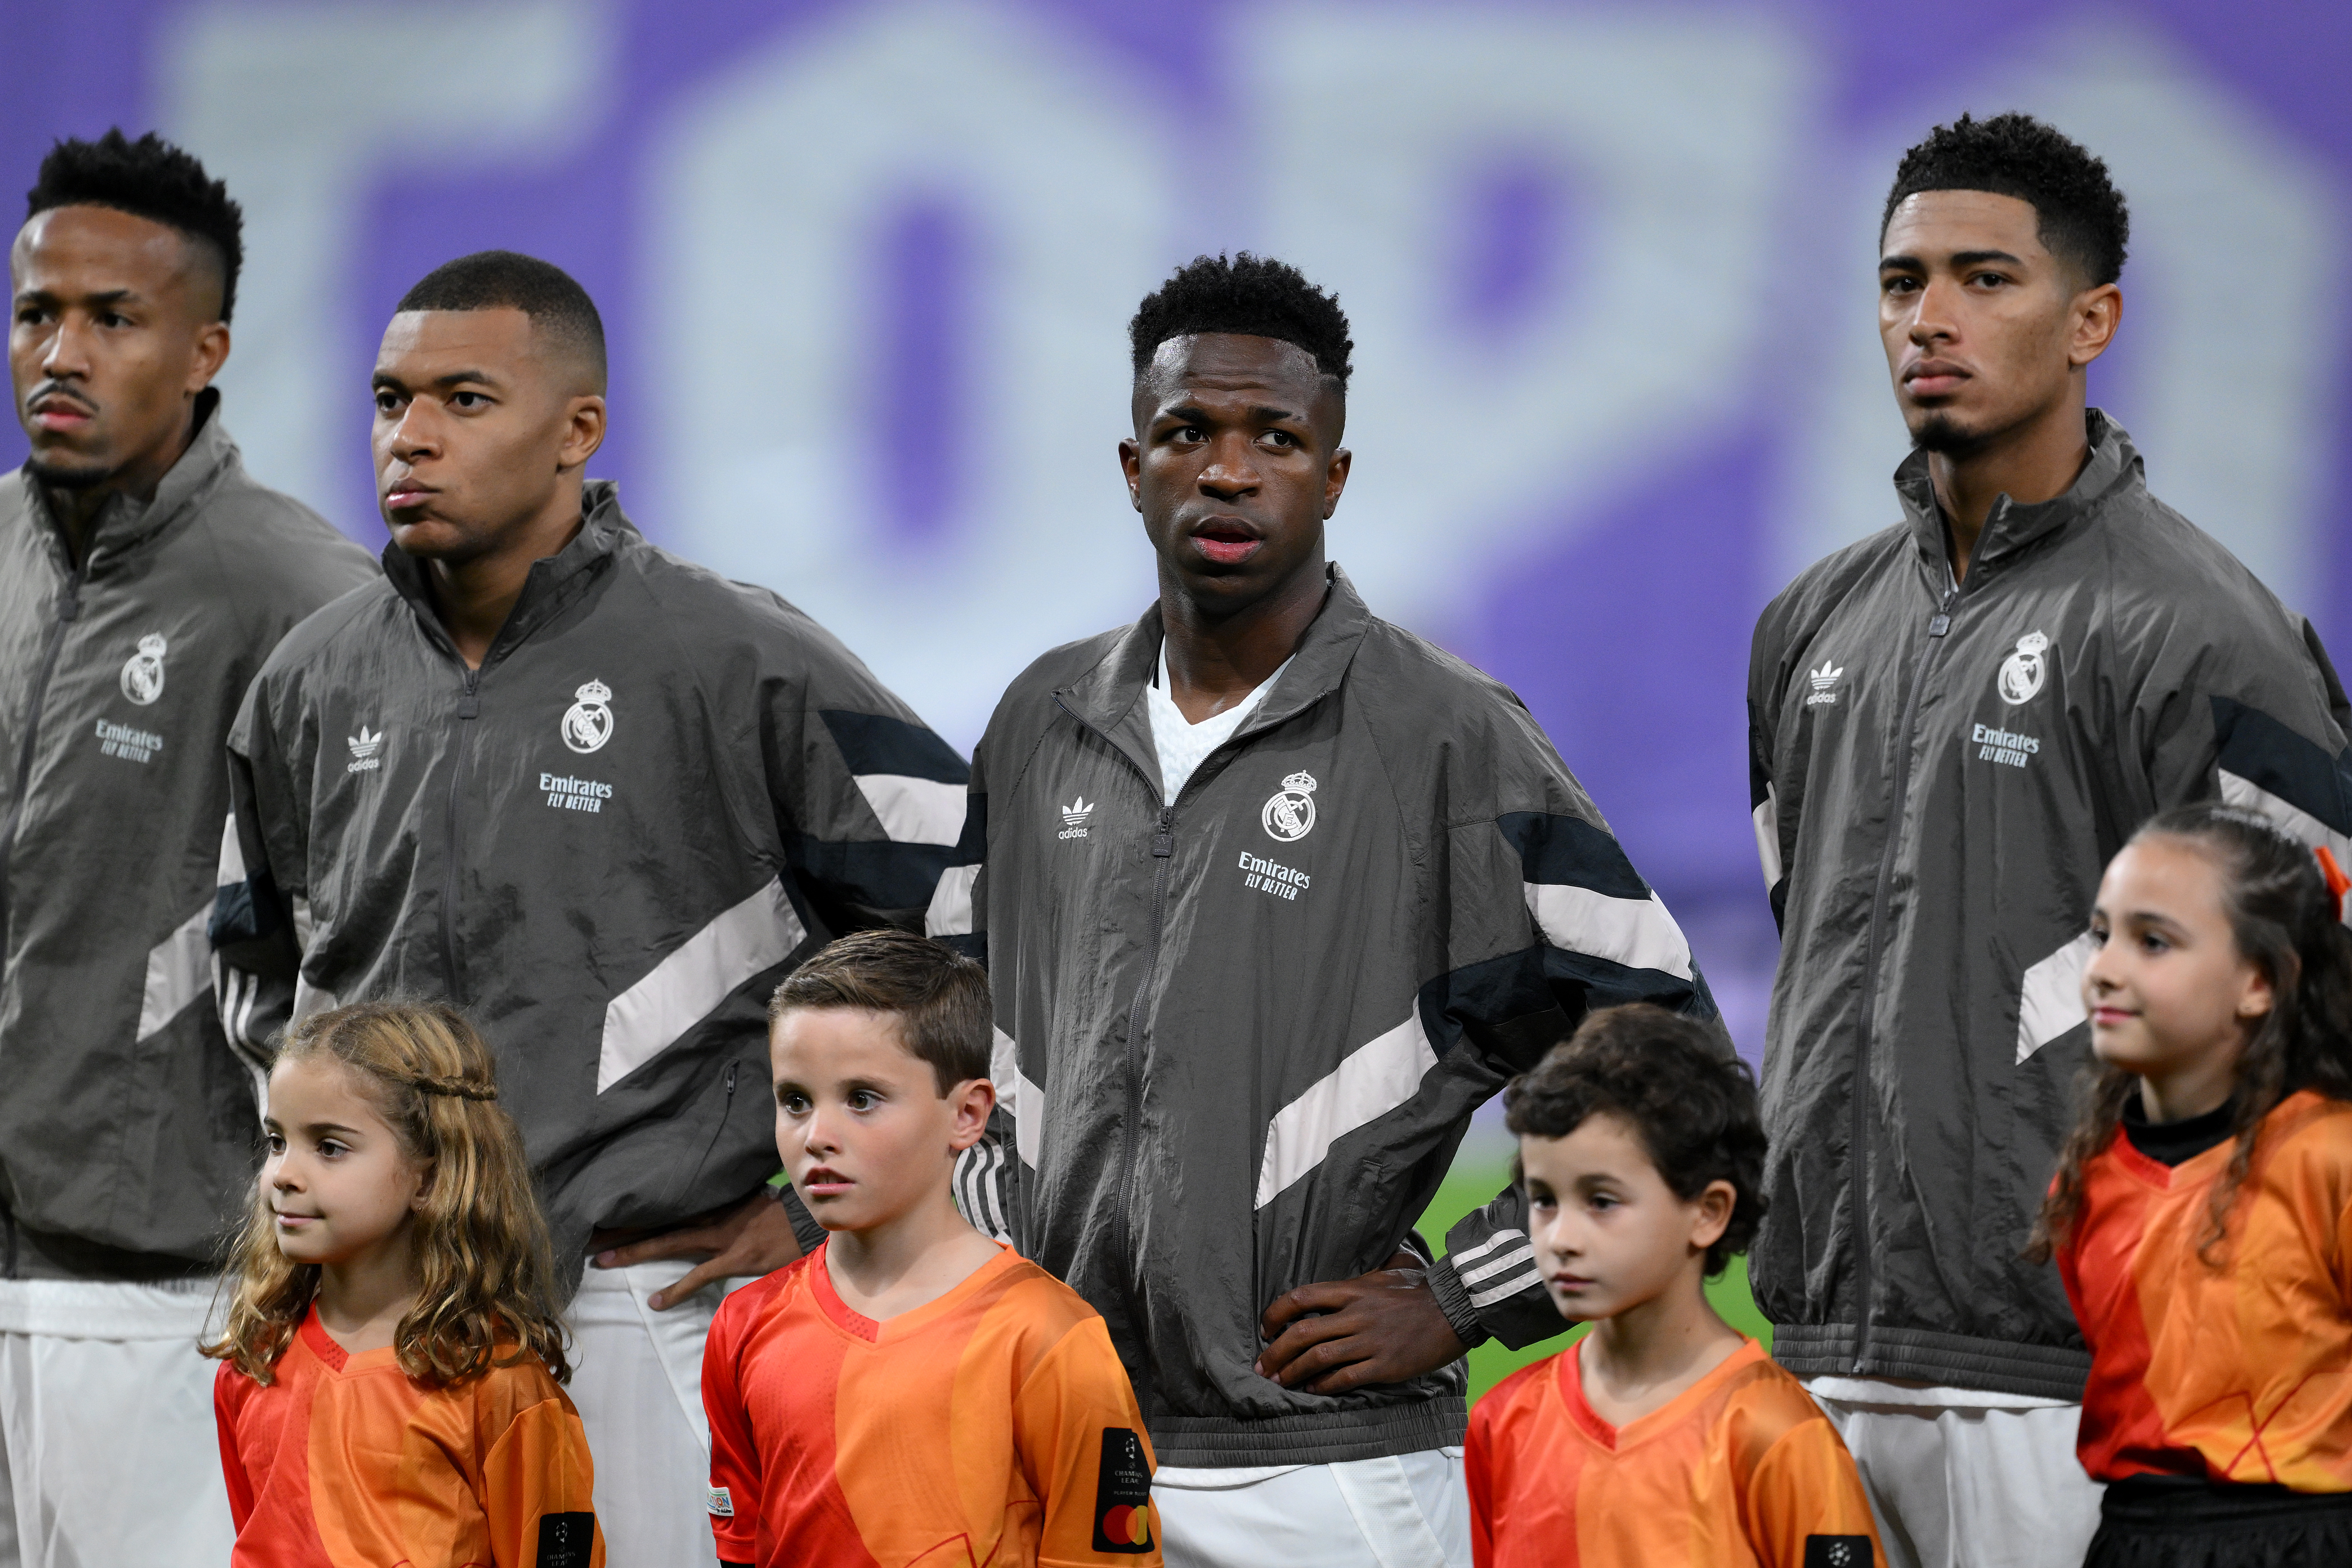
{"points": [[993, 1426], [1739, 1468], [342, 1462], [2240, 1372]]}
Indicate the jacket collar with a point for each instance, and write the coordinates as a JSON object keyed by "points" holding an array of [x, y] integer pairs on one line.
{"points": [[2010, 528], [553, 584], [125, 523], [1109, 698]]}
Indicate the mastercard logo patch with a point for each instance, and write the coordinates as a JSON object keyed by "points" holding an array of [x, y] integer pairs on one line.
{"points": [[1128, 1526]]}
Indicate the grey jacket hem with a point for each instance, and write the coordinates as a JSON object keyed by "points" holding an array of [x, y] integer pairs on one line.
{"points": [[1944, 1360], [1325, 1437]]}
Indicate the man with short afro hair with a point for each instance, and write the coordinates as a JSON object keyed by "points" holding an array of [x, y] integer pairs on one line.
{"points": [[1275, 893], [145, 576], [1954, 724]]}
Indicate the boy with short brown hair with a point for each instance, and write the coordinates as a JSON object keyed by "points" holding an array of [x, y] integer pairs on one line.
{"points": [[1665, 1434], [910, 1385]]}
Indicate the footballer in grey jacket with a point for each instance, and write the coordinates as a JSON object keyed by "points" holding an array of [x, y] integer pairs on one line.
{"points": [[660, 790], [126, 1131], [1941, 771], [1243, 1021]]}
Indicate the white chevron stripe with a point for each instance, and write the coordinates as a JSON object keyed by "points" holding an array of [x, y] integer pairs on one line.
{"points": [[179, 970], [2050, 997], [951, 911], [2294, 818], [915, 810], [1517, 1257], [231, 856], [1374, 1080], [703, 971], [1506, 1289], [1464, 1260], [1767, 837], [1636, 931]]}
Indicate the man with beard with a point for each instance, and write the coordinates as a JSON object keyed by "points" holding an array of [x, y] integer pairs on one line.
{"points": [[1276, 895], [1955, 724], [143, 579]]}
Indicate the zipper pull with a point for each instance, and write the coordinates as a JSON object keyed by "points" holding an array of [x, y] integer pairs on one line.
{"points": [[1163, 843], [469, 705], [1942, 620]]}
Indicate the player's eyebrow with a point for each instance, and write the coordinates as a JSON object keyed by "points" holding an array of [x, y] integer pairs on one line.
{"points": [[1266, 414], [1979, 257]]}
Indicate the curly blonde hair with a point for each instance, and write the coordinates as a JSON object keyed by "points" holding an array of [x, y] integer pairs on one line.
{"points": [[487, 1267]]}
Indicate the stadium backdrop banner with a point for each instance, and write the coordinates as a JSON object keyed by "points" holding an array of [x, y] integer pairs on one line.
{"points": [[866, 269]]}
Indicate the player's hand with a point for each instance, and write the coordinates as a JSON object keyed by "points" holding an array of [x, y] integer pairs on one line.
{"points": [[1381, 1327], [755, 1236]]}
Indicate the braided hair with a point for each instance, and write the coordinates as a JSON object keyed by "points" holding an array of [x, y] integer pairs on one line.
{"points": [[2284, 917], [487, 1293]]}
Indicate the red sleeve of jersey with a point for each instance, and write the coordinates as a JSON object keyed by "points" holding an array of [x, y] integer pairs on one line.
{"points": [[538, 1489], [1081, 1443], [1805, 1504], [227, 1397], [734, 1499]]}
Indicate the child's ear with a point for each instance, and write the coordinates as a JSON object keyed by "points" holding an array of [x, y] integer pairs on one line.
{"points": [[1711, 1214], [2256, 998], [424, 1194], [972, 1100]]}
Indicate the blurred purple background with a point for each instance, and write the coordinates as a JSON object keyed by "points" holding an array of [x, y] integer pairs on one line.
{"points": [[867, 268]]}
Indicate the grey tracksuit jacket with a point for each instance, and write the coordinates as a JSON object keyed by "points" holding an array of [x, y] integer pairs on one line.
{"points": [[659, 792], [1941, 773], [127, 1127], [1242, 1033]]}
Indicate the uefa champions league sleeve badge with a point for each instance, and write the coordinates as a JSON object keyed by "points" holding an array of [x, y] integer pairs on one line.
{"points": [[142, 673]]}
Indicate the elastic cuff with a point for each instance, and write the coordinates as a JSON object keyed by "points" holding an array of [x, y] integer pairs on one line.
{"points": [[805, 1230], [1416, 1244], [1454, 1300]]}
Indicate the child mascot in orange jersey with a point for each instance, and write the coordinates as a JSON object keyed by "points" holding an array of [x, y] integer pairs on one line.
{"points": [[392, 1346], [1664, 1436], [2203, 1210], [910, 1391]]}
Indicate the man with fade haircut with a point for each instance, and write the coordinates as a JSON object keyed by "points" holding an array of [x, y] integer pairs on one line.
{"points": [[144, 578], [1275, 893], [598, 796], [1954, 725]]}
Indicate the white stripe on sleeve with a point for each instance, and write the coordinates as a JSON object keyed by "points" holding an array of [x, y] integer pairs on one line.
{"points": [[1374, 1080], [1636, 931], [916, 810], [702, 972]]}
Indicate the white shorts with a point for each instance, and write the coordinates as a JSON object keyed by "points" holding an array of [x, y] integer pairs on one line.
{"points": [[1958, 1479], [1409, 1511], [638, 1379], [109, 1450]]}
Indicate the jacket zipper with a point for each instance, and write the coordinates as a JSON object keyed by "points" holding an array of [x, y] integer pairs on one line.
{"points": [[469, 707], [1163, 850], [1859, 1135], [69, 610]]}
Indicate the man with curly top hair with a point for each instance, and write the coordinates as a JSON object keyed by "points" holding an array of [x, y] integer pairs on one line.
{"points": [[144, 576], [1275, 893], [1954, 725]]}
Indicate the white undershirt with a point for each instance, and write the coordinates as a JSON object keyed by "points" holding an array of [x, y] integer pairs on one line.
{"points": [[1181, 743]]}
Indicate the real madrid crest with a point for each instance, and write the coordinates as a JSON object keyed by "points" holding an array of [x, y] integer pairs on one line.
{"points": [[588, 723], [1289, 816], [142, 673], [2022, 672]]}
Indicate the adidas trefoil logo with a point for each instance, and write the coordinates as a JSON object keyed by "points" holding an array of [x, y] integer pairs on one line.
{"points": [[364, 746], [1823, 681], [1076, 814]]}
